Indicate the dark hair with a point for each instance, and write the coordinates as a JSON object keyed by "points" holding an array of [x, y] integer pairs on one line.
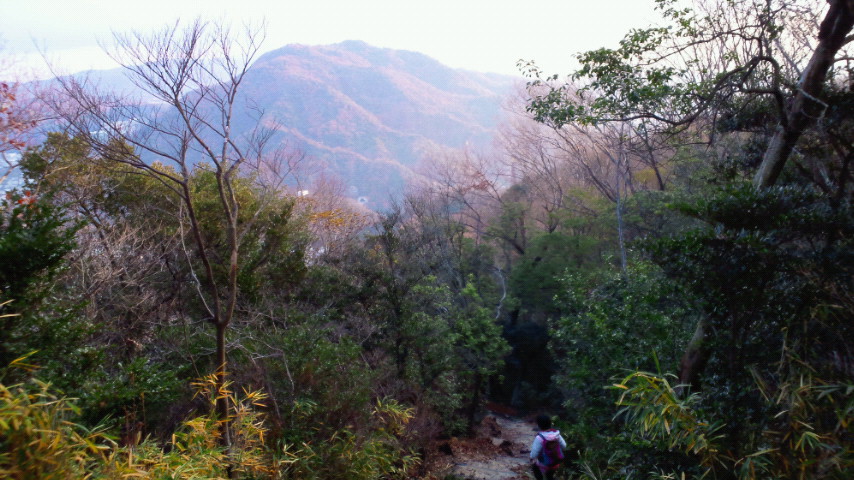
{"points": [[544, 421]]}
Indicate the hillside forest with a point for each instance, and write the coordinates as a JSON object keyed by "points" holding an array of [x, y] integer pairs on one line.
{"points": [[657, 251]]}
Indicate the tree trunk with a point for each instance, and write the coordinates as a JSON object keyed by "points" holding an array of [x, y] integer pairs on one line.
{"points": [[806, 106], [474, 405], [695, 357], [222, 409]]}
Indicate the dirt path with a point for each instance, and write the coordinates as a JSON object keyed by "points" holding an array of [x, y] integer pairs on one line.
{"points": [[510, 439]]}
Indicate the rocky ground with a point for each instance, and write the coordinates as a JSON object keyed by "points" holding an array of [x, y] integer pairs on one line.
{"points": [[499, 451]]}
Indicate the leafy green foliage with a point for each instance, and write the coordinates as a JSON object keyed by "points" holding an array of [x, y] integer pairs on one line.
{"points": [[613, 324], [422, 282], [38, 439], [273, 239], [35, 238], [655, 409], [140, 391], [535, 278], [452, 351], [769, 272], [625, 323], [376, 453], [310, 365], [668, 75]]}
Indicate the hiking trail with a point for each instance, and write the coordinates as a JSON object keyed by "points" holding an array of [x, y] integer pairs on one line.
{"points": [[498, 452]]}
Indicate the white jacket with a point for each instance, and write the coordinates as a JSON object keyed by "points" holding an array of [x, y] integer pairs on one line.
{"points": [[549, 435]]}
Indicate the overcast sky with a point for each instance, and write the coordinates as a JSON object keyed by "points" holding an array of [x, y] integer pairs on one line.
{"points": [[481, 35]]}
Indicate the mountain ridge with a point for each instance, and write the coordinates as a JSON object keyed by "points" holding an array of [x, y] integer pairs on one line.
{"points": [[361, 109], [366, 115]]}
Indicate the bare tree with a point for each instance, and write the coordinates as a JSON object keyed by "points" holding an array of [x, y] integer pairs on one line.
{"points": [[191, 77], [335, 222], [720, 57], [805, 105], [469, 183], [538, 157], [18, 118]]}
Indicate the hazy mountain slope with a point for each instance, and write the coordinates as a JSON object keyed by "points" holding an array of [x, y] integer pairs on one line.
{"points": [[371, 113], [366, 115]]}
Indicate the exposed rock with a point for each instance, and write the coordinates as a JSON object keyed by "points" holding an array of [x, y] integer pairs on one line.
{"points": [[507, 447], [489, 427], [495, 457]]}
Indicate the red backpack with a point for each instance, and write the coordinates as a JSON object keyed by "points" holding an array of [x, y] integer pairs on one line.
{"points": [[551, 456]]}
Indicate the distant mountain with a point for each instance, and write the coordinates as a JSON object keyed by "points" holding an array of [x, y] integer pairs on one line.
{"points": [[367, 115], [371, 113]]}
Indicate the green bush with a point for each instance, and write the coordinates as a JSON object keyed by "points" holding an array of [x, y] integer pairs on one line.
{"points": [[39, 439]]}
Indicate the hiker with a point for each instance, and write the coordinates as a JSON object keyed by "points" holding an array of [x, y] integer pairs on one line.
{"points": [[547, 449]]}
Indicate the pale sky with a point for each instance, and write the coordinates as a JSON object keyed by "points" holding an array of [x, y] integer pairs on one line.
{"points": [[480, 35]]}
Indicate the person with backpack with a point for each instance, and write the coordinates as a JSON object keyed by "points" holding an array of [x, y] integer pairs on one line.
{"points": [[547, 449]]}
